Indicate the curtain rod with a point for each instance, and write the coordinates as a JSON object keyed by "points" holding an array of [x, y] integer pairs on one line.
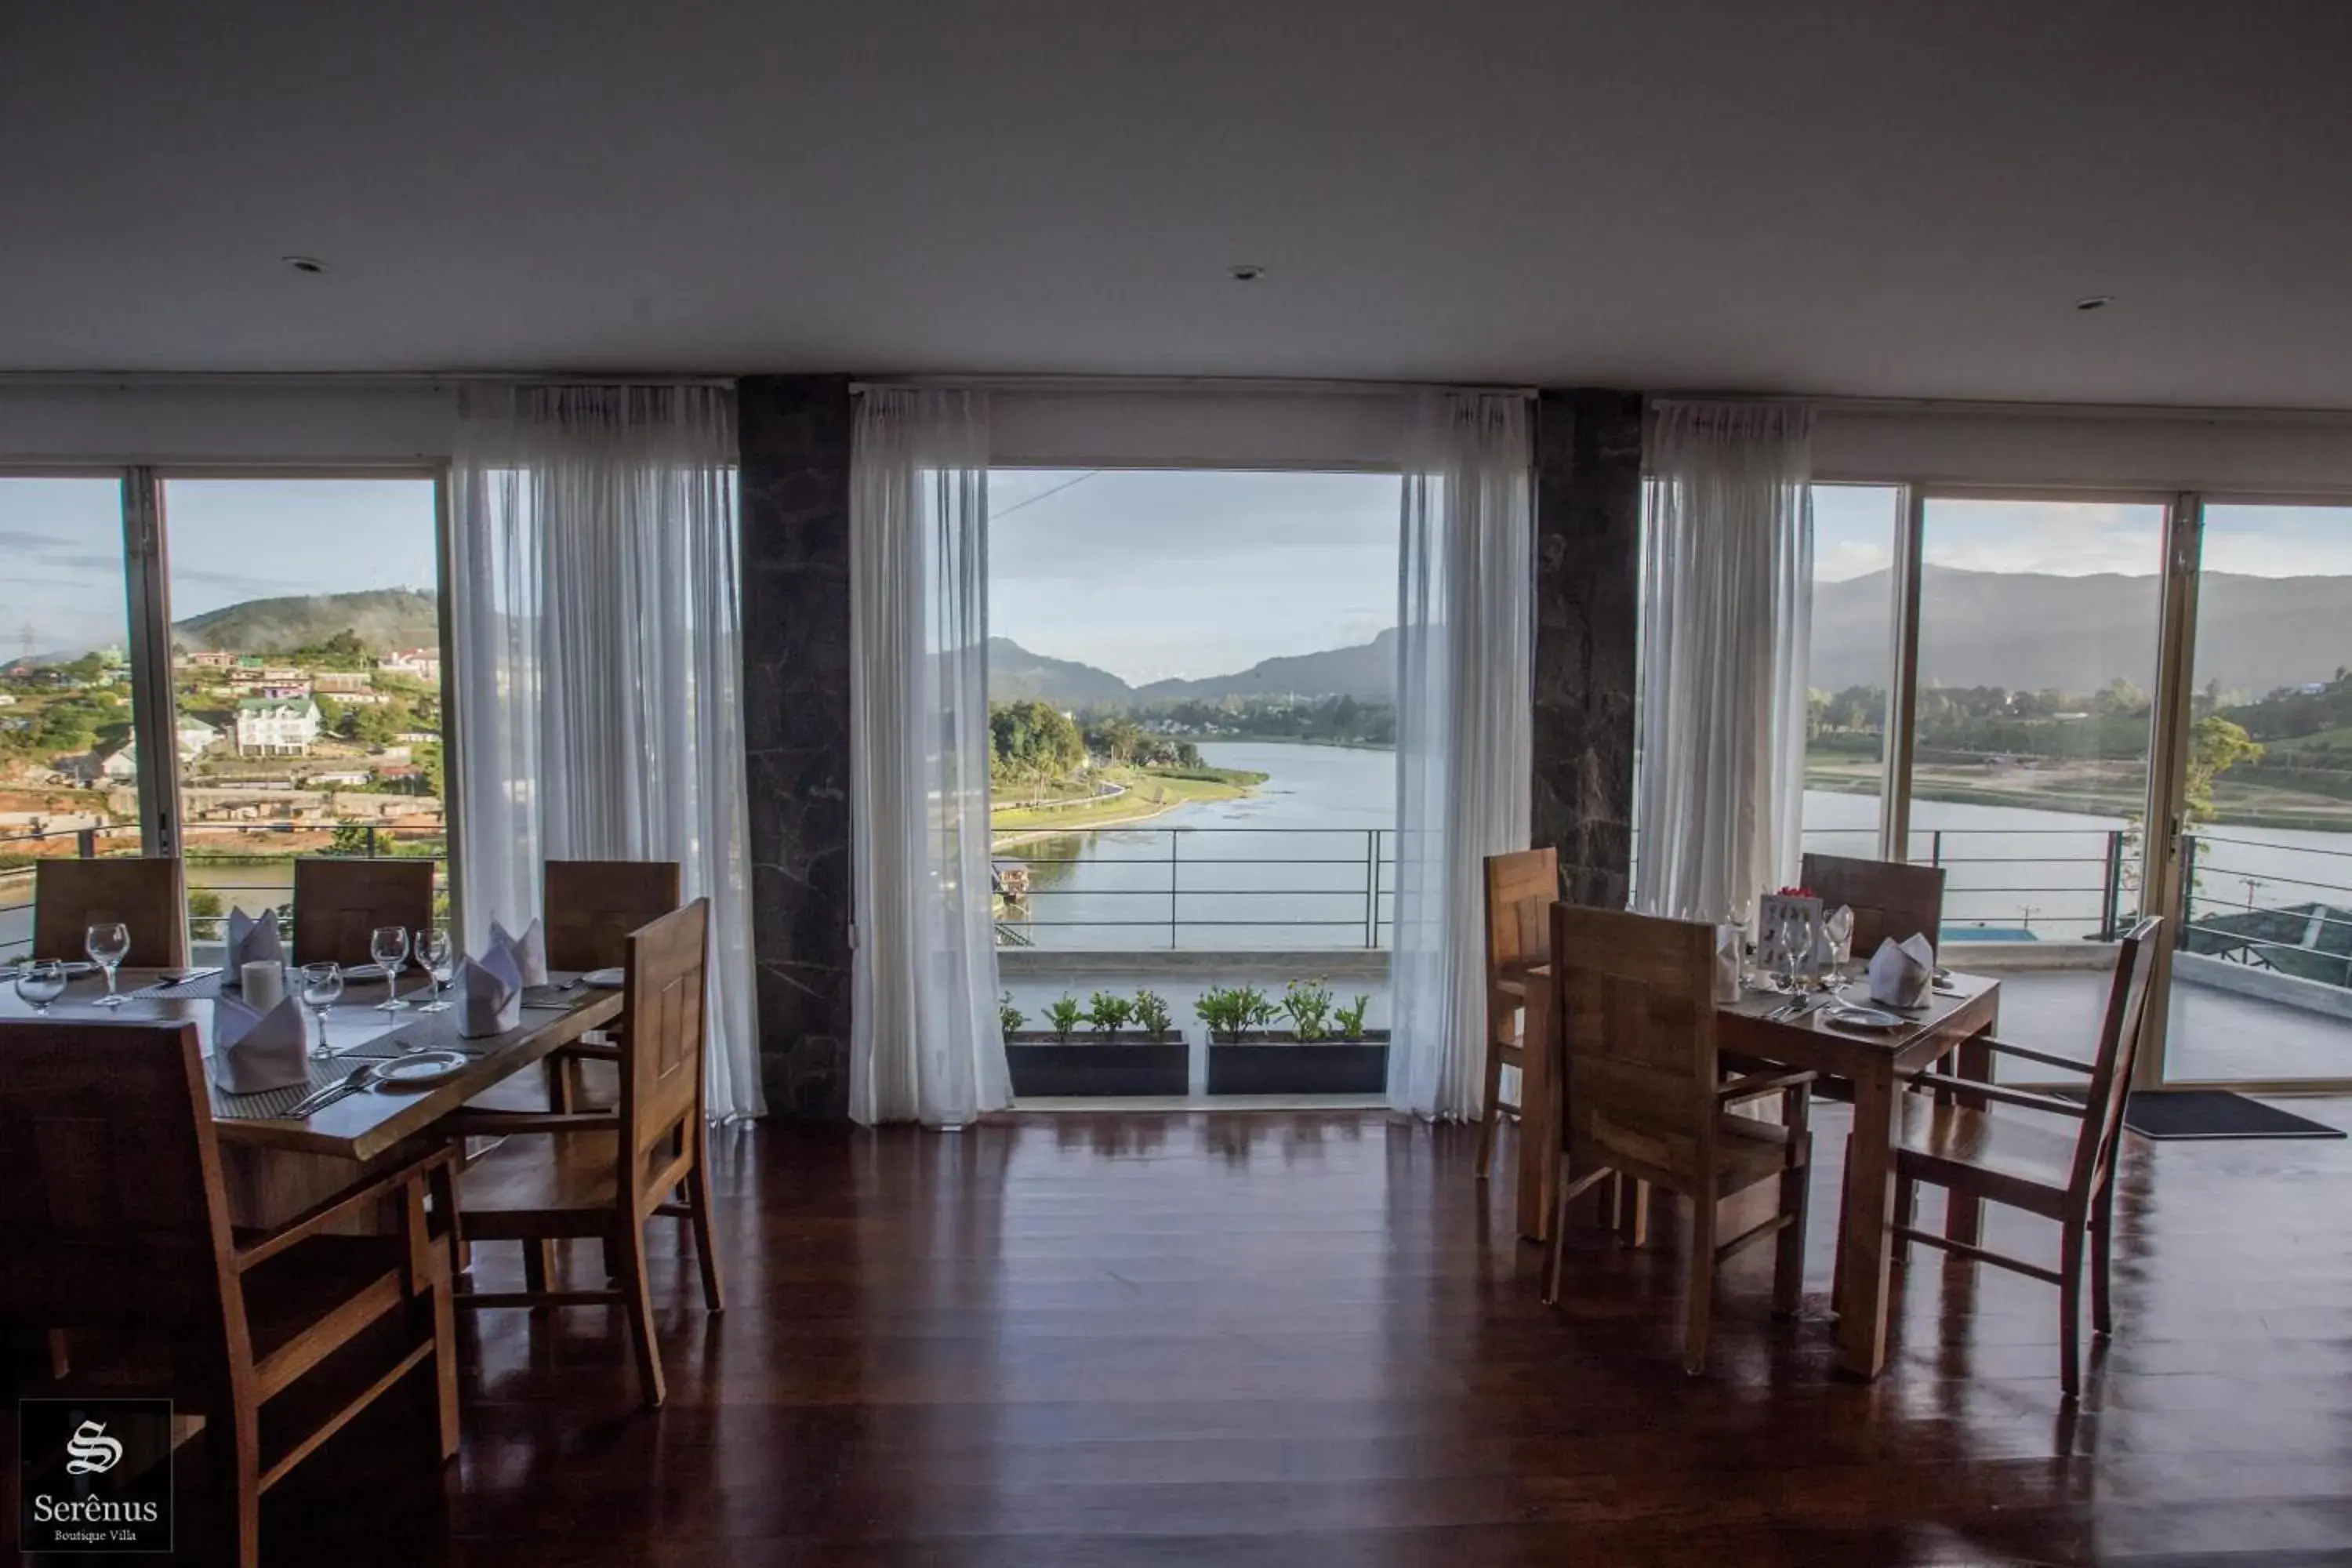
{"points": [[1990, 407], [1244, 385]]}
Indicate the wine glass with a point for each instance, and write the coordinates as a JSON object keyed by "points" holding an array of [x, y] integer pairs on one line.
{"points": [[438, 955], [1838, 926], [41, 982], [322, 988], [388, 945], [107, 942]]}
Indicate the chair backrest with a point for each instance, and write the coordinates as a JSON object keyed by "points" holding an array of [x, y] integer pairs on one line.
{"points": [[591, 906], [112, 1212], [1889, 898], [1520, 888], [337, 902], [1637, 1054], [145, 895], [2119, 1036], [661, 1077]]}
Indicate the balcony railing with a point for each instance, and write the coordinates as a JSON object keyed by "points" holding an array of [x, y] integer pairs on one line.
{"points": [[1112, 889], [246, 864]]}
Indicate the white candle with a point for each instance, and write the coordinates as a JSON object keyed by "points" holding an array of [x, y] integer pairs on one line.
{"points": [[264, 983]]}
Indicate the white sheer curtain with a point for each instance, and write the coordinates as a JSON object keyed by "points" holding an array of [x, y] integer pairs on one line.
{"points": [[1727, 601], [597, 662], [925, 1042], [1465, 607]]}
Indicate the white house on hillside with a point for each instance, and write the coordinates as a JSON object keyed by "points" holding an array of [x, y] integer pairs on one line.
{"points": [[277, 726], [416, 663], [196, 738]]}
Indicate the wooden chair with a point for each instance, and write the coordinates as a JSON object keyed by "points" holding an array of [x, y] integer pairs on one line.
{"points": [[2063, 1173], [1521, 888], [1644, 1098], [337, 902], [114, 1226], [1889, 897], [602, 1174], [148, 896], [593, 906]]}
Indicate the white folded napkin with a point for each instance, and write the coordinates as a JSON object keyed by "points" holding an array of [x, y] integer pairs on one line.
{"points": [[256, 1049], [490, 994], [1730, 943], [251, 940], [1900, 974], [530, 951]]}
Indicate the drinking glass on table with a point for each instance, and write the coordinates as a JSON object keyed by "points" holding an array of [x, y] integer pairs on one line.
{"points": [[438, 956], [1838, 926], [107, 942], [322, 988], [41, 982], [388, 945]]}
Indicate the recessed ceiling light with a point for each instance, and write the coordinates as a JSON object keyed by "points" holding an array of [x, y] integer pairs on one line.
{"points": [[1247, 273], [304, 263], [2095, 301]]}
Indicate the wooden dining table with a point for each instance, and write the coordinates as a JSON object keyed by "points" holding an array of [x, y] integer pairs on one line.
{"points": [[1946, 1034], [278, 1165]]}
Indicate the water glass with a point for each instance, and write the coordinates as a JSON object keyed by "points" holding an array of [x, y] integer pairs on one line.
{"points": [[41, 982], [322, 988], [107, 942], [388, 945], [1838, 925], [439, 954]]}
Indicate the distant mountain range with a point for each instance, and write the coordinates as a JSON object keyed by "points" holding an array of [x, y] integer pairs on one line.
{"points": [[1365, 672], [382, 619], [2036, 631]]}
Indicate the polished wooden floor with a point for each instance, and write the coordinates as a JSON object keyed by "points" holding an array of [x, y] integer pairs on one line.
{"points": [[1301, 1339]]}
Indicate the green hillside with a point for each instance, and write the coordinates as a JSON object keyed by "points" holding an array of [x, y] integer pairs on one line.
{"points": [[382, 619]]}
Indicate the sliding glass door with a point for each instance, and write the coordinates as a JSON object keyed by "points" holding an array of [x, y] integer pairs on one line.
{"points": [[2261, 975]]}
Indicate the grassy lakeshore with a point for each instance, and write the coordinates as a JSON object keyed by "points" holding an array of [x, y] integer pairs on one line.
{"points": [[1146, 793]]}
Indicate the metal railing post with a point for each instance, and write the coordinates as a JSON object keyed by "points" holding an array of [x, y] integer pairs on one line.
{"points": [[1936, 847], [1172, 841], [2111, 894], [371, 841], [2187, 889], [1371, 885], [86, 841]]}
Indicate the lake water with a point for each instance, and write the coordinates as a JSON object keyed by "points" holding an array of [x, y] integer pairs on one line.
{"points": [[1294, 866]]}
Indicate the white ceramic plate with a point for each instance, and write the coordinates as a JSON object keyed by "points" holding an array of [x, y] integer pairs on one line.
{"points": [[422, 1070], [363, 972], [604, 979], [1870, 1019]]}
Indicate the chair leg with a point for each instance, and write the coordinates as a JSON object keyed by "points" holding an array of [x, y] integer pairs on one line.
{"points": [[539, 1266], [233, 1434], [1700, 1309], [1788, 1257], [1556, 1249], [2070, 1312], [1633, 1211], [1493, 1108], [1837, 1268], [636, 1299], [1907, 1213], [2103, 1239], [697, 1183]]}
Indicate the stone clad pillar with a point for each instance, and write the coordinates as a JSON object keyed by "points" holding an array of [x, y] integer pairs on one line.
{"points": [[793, 434], [1588, 452]]}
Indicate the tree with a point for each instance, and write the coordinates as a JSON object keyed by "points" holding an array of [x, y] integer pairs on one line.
{"points": [[2215, 746], [1032, 741]]}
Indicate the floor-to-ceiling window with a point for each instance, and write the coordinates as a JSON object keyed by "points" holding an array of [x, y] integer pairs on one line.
{"points": [[1856, 532], [2262, 976], [275, 642], [69, 759], [306, 672]]}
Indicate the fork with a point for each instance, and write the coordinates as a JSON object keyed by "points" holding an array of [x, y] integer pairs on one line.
{"points": [[319, 1100]]}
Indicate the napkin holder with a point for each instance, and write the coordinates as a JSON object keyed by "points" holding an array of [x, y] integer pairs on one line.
{"points": [[528, 950], [255, 1051], [1901, 974], [490, 995], [251, 939]]}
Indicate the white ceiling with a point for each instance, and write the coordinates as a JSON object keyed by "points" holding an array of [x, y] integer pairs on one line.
{"points": [[1864, 197]]}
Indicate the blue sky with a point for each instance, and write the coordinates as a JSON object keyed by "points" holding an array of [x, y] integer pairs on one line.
{"points": [[230, 540]]}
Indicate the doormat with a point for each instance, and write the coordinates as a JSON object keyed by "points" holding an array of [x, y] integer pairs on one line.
{"points": [[2184, 1114]]}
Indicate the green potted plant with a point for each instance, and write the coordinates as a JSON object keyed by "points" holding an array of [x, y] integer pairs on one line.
{"points": [[1326, 1049], [1111, 1058]]}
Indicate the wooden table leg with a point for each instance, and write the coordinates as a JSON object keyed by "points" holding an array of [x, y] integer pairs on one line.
{"points": [[1539, 1116], [1869, 1210], [1972, 1062]]}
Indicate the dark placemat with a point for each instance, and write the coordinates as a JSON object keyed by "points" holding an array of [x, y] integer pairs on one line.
{"points": [[277, 1102]]}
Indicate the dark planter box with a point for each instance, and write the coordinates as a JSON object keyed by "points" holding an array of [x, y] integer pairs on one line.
{"points": [[1279, 1064], [1126, 1063]]}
